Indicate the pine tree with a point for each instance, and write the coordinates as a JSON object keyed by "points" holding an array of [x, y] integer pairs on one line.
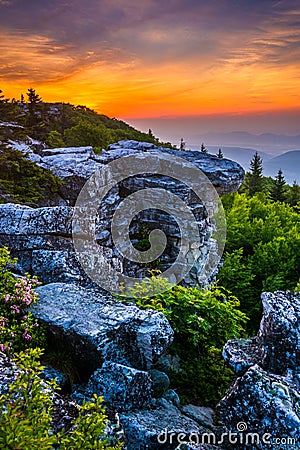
{"points": [[220, 153], [203, 149], [33, 97], [182, 144], [278, 190], [256, 175], [293, 194]]}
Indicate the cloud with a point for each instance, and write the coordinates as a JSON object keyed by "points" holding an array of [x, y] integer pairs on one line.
{"points": [[132, 55]]}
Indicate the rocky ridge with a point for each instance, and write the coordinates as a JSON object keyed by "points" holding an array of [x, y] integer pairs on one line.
{"points": [[41, 238]]}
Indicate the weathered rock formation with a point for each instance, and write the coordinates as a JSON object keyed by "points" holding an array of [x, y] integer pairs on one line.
{"points": [[265, 398], [41, 238], [114, 345], [96, 329]]}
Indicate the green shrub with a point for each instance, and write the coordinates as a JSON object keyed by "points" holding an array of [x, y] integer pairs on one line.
{"points": [[26, 413], [19, 330], [262, 250], [23, 180], [203, 320]]}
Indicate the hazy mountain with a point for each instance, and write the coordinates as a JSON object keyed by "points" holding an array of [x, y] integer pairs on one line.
{"points": [[268, 142], [288, 162]]}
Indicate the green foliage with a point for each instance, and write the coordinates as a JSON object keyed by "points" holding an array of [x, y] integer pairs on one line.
{"points": [[18, 328], [26, 410], [278, 190], [88, 429], [263, 250], [87, 134], [54, 139], [255, 179], [26, 413], [202, 320], [293, 194], [23, 181]]}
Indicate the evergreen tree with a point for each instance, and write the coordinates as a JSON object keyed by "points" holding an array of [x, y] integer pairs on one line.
{"points": [[34, 120], [256, 175], [203, 149], [278, 190], [182, 144], [3, 101], [293, 194], [220, 153], [33, 97]]}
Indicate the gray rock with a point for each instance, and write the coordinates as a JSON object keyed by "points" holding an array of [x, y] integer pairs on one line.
{"points": [[276, 348], [241, 354], [201, 414], [172, 397], [50, 374], [99, 329], [278, 335], [122, 387], [267, 396], [8, 373], [262, 403], [160, 382], [163, 427]]}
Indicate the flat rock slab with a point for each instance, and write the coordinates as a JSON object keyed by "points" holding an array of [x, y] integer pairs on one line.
{"points": [[97, 329], [163, 427]]}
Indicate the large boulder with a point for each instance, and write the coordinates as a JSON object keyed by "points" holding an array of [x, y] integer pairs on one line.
{"points": [[161, 427], [264, 408], [42, 238], [97, 328], [122, 387], [265, 399], [276, 348], [74, 165]]}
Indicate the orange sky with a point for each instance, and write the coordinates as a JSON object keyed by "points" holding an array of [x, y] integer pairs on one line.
{"points": [[131, 60]]}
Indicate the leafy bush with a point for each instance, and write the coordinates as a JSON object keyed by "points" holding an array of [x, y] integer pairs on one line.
{"points": [[26, 413], [263, 250], [23, 180], [203, 320], [19, 330]]}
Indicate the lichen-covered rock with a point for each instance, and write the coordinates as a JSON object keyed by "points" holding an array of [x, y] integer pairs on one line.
{"points": [[266, 404], [279, 332], [201, 414], [97, 328], [122, 387], [50, 374], [8, 372], [75, 165], [163, 427], [266, 396], [172, 397], [41, 240], [160, 382], [241, 354], [276, 348]]}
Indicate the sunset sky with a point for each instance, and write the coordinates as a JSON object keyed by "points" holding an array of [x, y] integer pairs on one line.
{"points": [[137, 59]]}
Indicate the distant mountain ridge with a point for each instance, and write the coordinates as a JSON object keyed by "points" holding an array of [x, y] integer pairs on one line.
{"points": [[288, 162], [268, 142]]}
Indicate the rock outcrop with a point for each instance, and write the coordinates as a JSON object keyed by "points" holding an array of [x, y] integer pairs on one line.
{"points": [[41, 238], [97, 329], [74, 165], [265, 398]]}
